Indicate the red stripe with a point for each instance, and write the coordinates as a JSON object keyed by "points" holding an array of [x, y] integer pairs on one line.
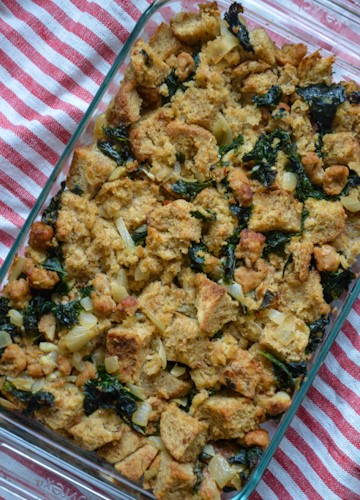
{"points": [[255, 496], [327, 407], [31, 114], [276, 486], [351, 334], [38, 90], [131, 9], [23, 164], [6, 239], [82, 32], [296, 474], [32, 140], [345, 362], [340, 388], [356, 306], [344, 461], [316, 464], [9, 214], [16, 190], [55, 43]]}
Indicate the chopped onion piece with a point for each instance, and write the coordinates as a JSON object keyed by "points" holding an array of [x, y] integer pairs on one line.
{"points": [[158, 442], [209, 450], [117, 173], [154, 319], [5, 339], [222, 45], [50, 330], [161, 352], [141, 415], [78, 337], [289, 181], [98, 357], [7, 404], [38, 385], [276, 316], [118, 291], [124, 233], [122, 278], [178, 371], [111, 364], [221, 471], [16, 269], [22, 383], [77, 361], [87, 320], [50, 360], [136, 390], [87, 304], [149, 174], [16, 318], [222, 131], [180, 401], [139, 275], [47, 347], [351, 203]]}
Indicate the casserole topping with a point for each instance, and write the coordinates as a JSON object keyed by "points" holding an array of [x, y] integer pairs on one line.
{"points": [[174, 289]]}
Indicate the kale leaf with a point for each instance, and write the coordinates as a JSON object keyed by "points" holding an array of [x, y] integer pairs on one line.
{"points": [[317, 331], [242, 214], [323, 101], [54, 264], [249, 457], [353, 181], [270, 99], [146, 57], [204, 214], [276, 241], [33, 400], [67, 314], [188, 190], [173, 84], [4, 307], [117, 145], [304, 187], [107, 392], [5, 324], [335, 283], [354, 97], [235, 144], [139, 235], [285, 374], [237, 28], [38, 306], [264, 174], [267, 300], [196, 256], [86, 290], [228, 254], [50, 214]]}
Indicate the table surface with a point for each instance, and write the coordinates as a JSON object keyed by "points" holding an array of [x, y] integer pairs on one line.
{"points": [[53, 57]]}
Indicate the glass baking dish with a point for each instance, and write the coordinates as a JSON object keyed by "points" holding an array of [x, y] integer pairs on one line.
{"points": [[55, 466]]}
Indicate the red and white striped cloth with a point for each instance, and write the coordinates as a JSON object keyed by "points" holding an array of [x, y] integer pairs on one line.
{"points": [[53, 57]]}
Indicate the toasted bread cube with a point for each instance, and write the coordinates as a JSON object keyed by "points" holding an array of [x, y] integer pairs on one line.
{"points": [[118, 450], [127, 103], [275, 211], [183, 435], [194, 28], [149, 68], [165, 386], [324, 222], [134, 466], [101, 427], [174, 481], [242, 374], [164, 43], [342, 148]]}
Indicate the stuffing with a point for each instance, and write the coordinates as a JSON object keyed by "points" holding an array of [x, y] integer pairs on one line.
{"points": [[335, 179], [127, 103], [327, 259], [192, 28], [100, 428], [116, 451], [18, 291], [164, 43], [134, 465], [174, 481], [67, 410], [164, 385], [324, 222], [250, 247], [149, 68], [13, 361], [264, 47], [291, 54], [315, 69], [242, 374], [40, 236], [301, 252], [342, 148]]}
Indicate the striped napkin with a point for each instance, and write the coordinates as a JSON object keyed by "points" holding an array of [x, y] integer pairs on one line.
{"points": [[53, 57]]}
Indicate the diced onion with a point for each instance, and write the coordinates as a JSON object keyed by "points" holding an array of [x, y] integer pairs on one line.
{"points": [[124, 233], [178, 371], [50, 331], [117, 173], [47, 347], [122, 278], [221, 471], [87, 304], [16, 318], [222, 131], [139, 275], [158, 442], [180, 401], [222, 45], [87, 319], [118, 291], [276, 316], [22, 383], [78, 337], [77, 361], [351, 203], [209, 450], [7, 404], [111, 364], [149, 174], [16, 269], [50, 360], [5, 339], [38, 385], [141, 415], [161, 352], [289, 181], [154, 319], [98, 357], [235, 290], [136, 390]]}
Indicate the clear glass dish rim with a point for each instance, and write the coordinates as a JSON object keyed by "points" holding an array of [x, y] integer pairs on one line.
{"points": [[326, 345]]}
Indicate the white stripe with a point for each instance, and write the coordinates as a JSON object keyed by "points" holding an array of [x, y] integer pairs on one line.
{"points": [[354, 319], [346, 378], [68, 38], [4, 250], [264, 491], [8, 226], [348, 348], [10, 200], [33, 125], [36, 104], [18, 175], [285, 479], [340, 474], [48, 53]]}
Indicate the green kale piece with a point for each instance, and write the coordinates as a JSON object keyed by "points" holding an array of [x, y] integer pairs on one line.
{"points": [[139, 235], [276, 241], [334, 284], [86, 290], [50, 214], [323, 101], [317, 331], [173, 84], [354, 97], [38, 306], [242, 213], [237, 28], [54, 264], [34, 401], [269, 100], [5, 324], [228, 254], [67, 314], [77, 190], [117, 146], [196, 256], [107, 392], [146, 57], [304, 187], [4, 307], [264, 173], [285, 373], [249, 457], [188, 190], [353, 181], [267, 300], [206, 215], [235, 144]]}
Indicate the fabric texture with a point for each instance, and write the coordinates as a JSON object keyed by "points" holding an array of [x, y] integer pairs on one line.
{"points": [[53, 57]]}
